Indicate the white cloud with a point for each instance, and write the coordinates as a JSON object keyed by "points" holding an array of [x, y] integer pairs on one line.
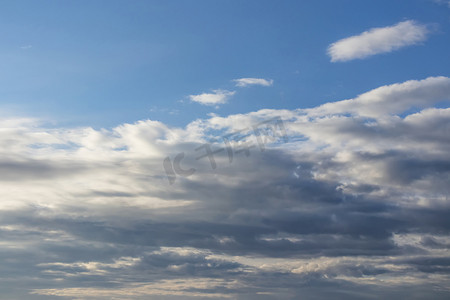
{"points": [[243, 82], [378, 40], [391, 99], [193, 287], [217, 97], [445, 2]]}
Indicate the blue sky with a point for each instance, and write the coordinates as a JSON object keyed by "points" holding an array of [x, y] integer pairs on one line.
{"points": [[100, 64], [224, 150]]}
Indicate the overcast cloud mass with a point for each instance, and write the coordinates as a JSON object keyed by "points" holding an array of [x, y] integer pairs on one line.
{"points": [[258, 194], [357, 199]]}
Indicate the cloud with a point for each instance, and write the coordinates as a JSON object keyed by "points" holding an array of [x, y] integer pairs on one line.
{"points": [[378, 40], [221, 96], [193, 287], [353, 204], [243, 82], [392, 99], [217, 97], [445, 2]]}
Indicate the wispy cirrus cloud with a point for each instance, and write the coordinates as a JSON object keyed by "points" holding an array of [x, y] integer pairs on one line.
{"points": [[445, 2], [243, 82], [217, 97], [378, 40]]}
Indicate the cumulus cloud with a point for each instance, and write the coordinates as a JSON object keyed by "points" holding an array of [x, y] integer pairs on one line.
{"points": [[378, 40], [217, 97], [243, 82], [354, 203]]}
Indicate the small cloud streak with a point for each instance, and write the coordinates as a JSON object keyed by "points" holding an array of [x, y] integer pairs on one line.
{"points": [[445, 2], [244, 82], [217, 97], [378, 40]]}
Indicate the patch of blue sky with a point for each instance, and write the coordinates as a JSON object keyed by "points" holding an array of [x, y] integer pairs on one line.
{"points": [[104, 63]]}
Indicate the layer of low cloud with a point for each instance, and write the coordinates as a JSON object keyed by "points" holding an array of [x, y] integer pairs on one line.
{"points": [[244, 82], [378, 40], [353, 204], [217, 97]]}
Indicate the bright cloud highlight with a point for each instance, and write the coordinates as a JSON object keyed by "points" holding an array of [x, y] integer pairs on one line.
{"points": [[378, 40]]}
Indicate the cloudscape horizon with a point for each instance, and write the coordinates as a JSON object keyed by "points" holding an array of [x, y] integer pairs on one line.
{"points": [[237, 187]]}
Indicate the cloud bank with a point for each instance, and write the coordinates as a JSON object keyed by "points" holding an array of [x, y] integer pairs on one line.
{"points": [[378, 40], [354, 204]]}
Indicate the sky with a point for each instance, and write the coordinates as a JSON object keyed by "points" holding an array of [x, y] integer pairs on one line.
{"points": [[225, 149]]}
